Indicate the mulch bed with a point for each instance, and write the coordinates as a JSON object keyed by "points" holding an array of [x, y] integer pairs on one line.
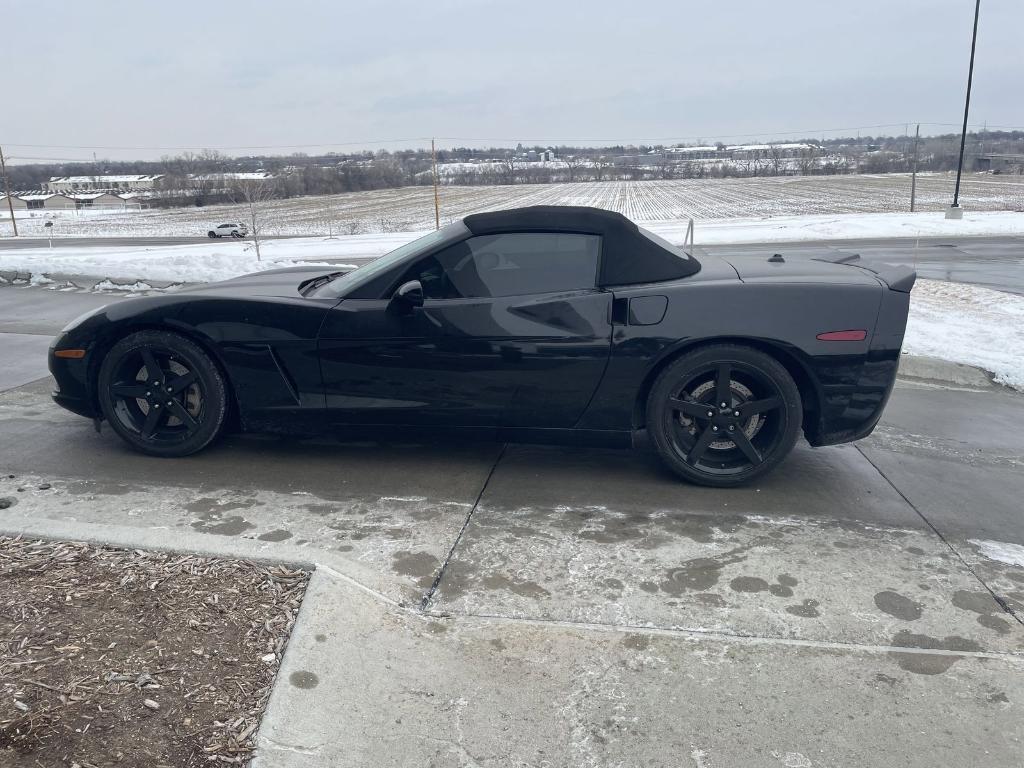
{"points": [[124, 657]]}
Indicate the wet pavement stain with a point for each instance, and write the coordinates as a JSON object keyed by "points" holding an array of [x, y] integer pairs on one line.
{"points": [[205, 506], [304, 679], [995, 623], [648, 586], [898, 606], [521, 588], [321, 638], [929, 664], [437, 627], [278, 535], [7, 502], [233, 525], [697, 575], [497, 644], [421, 566], [807, 610], [636, 642], [754, 584]]}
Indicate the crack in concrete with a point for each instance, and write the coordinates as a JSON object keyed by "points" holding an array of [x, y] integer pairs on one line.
{"points": [[726, 636], [295, 748], [1007, 608], [425, 602]]}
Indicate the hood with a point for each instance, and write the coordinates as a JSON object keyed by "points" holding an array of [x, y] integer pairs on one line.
{"points": [[273, 282]]}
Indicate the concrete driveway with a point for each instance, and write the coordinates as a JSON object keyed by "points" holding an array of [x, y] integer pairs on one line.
{"points": [[517, 605]]}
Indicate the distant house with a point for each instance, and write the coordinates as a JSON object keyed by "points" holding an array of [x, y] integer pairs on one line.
{"points": [[103, 183], [50, 201], [96, 200], [16, 202]]}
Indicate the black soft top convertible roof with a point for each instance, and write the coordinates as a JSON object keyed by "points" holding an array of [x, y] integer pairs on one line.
{"points": [[627, 257]]}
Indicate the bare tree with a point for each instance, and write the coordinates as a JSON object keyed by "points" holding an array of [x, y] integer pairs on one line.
{"points": [[507, 169], [573, 165], [664, 166], [253, 194], [602, 165]]}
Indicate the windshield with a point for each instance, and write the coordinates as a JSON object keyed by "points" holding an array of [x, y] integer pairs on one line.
{"points": [[346, 282]]}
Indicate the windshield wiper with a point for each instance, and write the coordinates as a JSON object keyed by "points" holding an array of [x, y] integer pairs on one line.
{"points": [[306, 287]]}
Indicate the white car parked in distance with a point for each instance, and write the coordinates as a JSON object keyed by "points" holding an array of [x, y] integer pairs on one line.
{"points": [[234, 230]]}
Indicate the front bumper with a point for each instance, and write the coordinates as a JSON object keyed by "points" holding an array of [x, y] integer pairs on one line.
{"points": [[72, 377]]}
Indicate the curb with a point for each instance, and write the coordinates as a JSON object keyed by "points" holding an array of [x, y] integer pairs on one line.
{"points": [[936, 370]]}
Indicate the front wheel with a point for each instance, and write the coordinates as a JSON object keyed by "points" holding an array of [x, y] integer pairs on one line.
{"points": [[211, 234], [723, 415], [162, 394]]}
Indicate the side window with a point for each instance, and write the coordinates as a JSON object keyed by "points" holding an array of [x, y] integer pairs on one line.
{"points": [[511, 264]]}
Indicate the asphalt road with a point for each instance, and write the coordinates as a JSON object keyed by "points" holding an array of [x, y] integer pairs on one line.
{"points": [[487, 604], [992, 262]]}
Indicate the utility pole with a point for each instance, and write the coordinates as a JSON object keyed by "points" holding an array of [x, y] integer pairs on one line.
{"points": [[955, 212], [437, 202], [7, 192], [913, 169]]}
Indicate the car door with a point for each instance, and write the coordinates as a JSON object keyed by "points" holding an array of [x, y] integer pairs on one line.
{"points": [[512, 332]]}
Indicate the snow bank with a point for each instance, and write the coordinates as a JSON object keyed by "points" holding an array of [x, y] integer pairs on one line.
{"points": [[202, 263], [1000, 551], [848, 226], [968, 324]]}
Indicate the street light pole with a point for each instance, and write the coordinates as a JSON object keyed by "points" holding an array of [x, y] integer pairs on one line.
{"points": [[954, 211]]}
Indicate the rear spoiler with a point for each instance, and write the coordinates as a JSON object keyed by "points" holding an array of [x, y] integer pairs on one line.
{"points": [[897, 277]]}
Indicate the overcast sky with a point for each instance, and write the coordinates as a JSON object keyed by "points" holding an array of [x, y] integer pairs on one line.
{"points": [[229, 74]]}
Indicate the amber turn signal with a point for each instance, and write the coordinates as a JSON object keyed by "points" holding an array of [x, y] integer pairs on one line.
{"points": [[71, 354]]}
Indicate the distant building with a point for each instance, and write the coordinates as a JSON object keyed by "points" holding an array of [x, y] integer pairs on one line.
{"points": [[16, 202], [122, 183], [97, 200], [48, 200], [1000, 163]]}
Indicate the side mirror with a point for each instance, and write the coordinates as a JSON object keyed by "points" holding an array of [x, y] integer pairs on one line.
{"points": [[408, 296]]}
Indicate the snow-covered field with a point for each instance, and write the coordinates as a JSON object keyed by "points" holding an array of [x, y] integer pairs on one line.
{"points": [[412, 208]]}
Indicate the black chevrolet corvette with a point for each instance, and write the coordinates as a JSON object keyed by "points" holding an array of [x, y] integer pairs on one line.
{"points": [[547, 324]]}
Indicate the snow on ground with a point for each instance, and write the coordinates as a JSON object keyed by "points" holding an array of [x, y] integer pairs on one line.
{"points": [[1000, 551], [202, 263], [968, 324], [850, 226], [412, 208]]}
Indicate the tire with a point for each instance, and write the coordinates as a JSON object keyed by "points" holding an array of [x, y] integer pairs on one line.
{"points": [[190, 410], [236, 234], [724, 450], [211, 234]]}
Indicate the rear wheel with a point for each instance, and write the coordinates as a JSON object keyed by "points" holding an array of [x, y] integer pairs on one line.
{"points": [[162, 394], [724, 415], [211, 234]]}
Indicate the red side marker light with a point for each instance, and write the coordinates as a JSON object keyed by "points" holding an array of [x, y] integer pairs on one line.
{"points": [[71, 354], [842, 336]]}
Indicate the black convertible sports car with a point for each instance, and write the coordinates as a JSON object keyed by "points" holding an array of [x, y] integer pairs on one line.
{"points": [[547, 324]]}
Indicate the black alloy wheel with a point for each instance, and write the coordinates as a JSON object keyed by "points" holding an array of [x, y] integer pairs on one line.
{"points": [[162, 394], [724, 415]]}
